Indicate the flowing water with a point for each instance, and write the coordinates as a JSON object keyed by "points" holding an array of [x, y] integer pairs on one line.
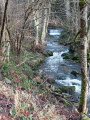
{"points": [[60, 69]]}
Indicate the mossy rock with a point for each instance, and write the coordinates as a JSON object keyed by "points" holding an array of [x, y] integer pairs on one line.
{"points": [[70, 56], [57, 90], [72, 49], [48, 53], [51, 80], [67, 89], [75, 73], [77, 61], [75, 57], [65, 56]]}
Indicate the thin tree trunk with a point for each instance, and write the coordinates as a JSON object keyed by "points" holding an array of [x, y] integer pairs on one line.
{"points": [[83, 57], [45, 22], [3, 24], [44, 28], [75, 17], [89, 39], [37, 27], [67, 7]]}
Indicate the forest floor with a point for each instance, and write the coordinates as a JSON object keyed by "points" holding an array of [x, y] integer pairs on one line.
{"points": [[24, 95], [23, 105]]}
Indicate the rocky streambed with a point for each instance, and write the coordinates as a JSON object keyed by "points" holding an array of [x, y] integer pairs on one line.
{"points": [[62, 72]]}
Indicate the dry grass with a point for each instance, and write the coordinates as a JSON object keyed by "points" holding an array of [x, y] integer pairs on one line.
{"points": [[42, 109]]}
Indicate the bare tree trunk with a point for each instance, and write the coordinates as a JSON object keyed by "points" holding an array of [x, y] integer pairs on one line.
{"points": [[36, 19], [89, 39], [3, 24], [45, 21], [67, 7], [44, 27], [83, 57], [75, 17], [4, 36]]}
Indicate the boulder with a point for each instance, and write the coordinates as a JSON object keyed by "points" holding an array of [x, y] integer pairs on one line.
{"points": [[51, 80], [48, 53], [75, 56], [75, 73], [67, 89], [72, 49], [65, 56]]}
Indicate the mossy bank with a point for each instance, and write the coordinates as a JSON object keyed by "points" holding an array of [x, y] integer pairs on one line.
{"points": [[22, 71]]}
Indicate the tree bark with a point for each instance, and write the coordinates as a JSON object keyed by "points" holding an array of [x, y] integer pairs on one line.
{"points": [[44, 27], [3, 24], [75, 16], [67, 7], [36, 19], [4, 36], [45, 21], [89, 39], [83, 57]]}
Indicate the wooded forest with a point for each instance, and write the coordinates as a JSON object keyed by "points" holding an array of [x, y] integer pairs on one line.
{"points": [[44, 59]]}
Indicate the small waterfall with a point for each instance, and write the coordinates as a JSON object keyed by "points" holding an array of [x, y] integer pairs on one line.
{"points": [[71, 82], [54, 32]]}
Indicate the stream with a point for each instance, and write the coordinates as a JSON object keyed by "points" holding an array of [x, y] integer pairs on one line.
{"points": [[60, 69]]}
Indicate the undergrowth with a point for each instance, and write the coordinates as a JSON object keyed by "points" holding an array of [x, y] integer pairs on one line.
{"points": [[23, 74], [22, 70]]}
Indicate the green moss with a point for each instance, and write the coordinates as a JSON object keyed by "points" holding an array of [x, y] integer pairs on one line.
{"points": [[65, 56], [67, 101], [75, 57], [67, 89], [82, 95], [48, 53], [85, 117], [72, 49], [77, 61], [72, 56], [82, 2], [57, 90]]}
